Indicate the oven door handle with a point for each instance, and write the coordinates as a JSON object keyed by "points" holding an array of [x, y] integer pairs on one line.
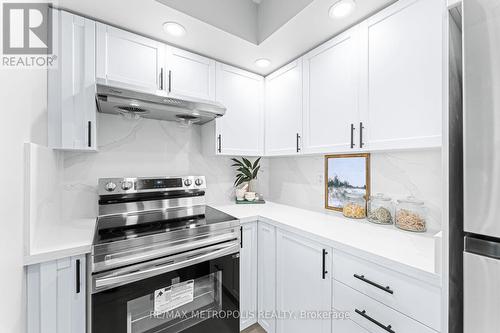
{"points": [[188, 259]]}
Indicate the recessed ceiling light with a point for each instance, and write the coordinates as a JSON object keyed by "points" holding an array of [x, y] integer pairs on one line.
{"points": [[262, 62], [341, 8], [174, 29]]}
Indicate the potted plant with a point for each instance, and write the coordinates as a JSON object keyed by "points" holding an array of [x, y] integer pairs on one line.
{"points": [[247, 172]]}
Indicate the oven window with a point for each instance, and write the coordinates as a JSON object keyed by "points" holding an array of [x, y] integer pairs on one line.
{"points": [[175, 307]]}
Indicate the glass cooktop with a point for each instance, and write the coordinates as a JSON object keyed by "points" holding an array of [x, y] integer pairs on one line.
{"points": [[120, 227]]}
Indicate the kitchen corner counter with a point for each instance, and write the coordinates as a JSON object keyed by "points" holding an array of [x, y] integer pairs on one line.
{"points": [[60, 241], [409, 253]]}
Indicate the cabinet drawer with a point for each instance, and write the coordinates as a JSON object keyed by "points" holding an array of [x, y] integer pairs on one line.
{"points": [[347, 326], [372, 315], [412, 297]]}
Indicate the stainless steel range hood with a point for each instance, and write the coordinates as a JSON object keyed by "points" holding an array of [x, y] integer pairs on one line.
{"points": [[133, 103]]}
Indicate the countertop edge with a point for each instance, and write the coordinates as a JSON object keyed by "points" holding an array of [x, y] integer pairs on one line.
{"points": [[396, 266]]}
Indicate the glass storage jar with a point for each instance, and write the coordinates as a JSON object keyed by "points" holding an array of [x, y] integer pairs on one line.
{"points": [[380, 209], [354, 206], [411, 215]]}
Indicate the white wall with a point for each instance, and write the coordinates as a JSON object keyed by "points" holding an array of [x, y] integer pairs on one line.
{"points": [[299, 181], [273, 14], [23, 114], [143, 148]]}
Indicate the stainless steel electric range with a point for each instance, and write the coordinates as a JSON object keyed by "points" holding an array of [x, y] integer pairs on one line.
{"points": [[162, 260]]}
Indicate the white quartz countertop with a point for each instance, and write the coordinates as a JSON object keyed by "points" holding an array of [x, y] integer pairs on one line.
{"points": [[412, 253], [60, 241]]}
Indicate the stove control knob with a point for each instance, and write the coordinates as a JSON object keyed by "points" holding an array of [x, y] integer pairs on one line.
{"points": [[188, 182], [198, 181], [127, 185], [110, 187]]}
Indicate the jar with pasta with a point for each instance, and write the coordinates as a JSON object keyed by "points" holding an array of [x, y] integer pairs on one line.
{"points": [[411, 215], [380, 209], [354, 206]]}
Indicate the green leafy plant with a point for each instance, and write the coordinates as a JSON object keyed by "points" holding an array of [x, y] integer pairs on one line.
{"points": [[246, 170]]}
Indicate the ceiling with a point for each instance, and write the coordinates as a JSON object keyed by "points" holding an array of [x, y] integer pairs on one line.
{"points": [[236, 34]]}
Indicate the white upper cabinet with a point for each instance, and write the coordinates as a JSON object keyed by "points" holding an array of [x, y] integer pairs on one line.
{"points": [[283, 110], [404, 75], [71, 84], [126, 58], [241, 130], [190, 74], [331, 95]]}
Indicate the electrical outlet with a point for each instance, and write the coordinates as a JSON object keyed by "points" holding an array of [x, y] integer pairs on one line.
{"points": [[320, 178]]}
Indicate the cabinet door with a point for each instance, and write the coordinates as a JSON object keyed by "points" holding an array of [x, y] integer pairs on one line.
{"points": [[266, 275], [405, 75], [331, 94], [56, 296], [303, 283], [71, 85], [248, 275], [283, 110], [241, 129], [190, 74], [124, 58]]}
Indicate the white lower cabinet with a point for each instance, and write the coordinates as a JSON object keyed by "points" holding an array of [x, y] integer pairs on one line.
{"points": [[56, 301], [303, 283], [248, 275], [266, 299], [347, 326], [299, 279], [372, 315]]}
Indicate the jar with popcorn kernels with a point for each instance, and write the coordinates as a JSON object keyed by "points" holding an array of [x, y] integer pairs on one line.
{"points": [[354, 206]]}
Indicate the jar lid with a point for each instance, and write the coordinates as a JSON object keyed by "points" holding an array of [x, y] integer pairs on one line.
{"points": [[380, 196], [411, 200]]}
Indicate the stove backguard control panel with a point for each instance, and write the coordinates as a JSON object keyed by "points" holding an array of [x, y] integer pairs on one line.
{"points": [[112, 186]]}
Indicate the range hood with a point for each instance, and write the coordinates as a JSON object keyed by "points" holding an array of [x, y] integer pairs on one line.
{"points": [[133, 103]]}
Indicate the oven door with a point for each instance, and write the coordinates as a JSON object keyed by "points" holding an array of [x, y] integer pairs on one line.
{"points": [[196, 291]]}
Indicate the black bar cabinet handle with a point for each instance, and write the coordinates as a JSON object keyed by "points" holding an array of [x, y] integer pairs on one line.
{"points": [[298, 143], [363, 314], [352, 136], [324, 264], [376, 285], [219, 139], [241, 237], [89, 133], [161, 78], [361, 128], [77, 276], [169, 81]]}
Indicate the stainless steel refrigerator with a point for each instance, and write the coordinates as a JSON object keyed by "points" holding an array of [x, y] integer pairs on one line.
{"points": [[481, 31]]}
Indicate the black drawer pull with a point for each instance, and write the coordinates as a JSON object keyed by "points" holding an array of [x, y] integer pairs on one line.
{"points": [[324, 264], [352, 136], [77, 273], [376, 285], [376, 322]]}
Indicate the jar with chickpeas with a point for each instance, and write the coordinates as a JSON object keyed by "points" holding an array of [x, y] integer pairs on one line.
{"points": [[411, 215], [354, 206]]}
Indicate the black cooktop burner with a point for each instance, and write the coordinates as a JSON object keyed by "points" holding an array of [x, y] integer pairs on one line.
{"points": [[113, 228]]}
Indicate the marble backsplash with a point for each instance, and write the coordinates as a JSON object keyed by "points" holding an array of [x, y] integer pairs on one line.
{"points": [[299, 181], [144, 148], [155, 148]]}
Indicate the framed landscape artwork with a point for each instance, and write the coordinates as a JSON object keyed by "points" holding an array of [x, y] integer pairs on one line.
{"points": [[345, 174]]}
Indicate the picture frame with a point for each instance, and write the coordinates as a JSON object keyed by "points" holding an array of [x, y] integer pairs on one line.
{"points": [[345, 173]]}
